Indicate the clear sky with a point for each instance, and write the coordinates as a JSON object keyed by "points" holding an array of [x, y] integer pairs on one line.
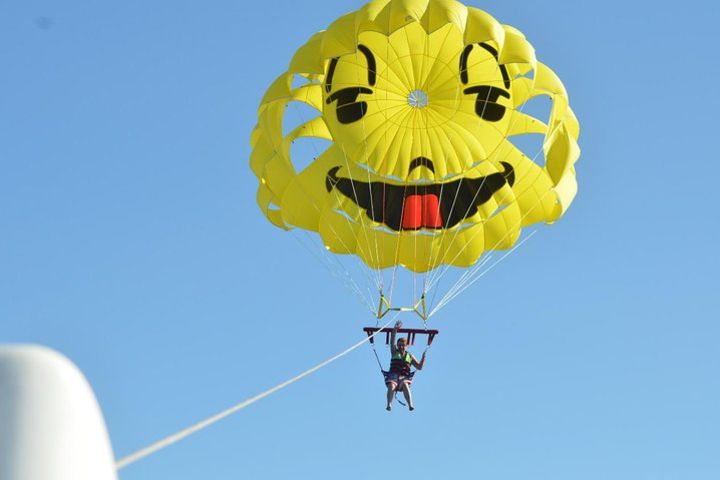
{"points": [[130, 240]]}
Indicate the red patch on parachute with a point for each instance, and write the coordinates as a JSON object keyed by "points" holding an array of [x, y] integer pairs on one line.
{"points": [[421, 211]]}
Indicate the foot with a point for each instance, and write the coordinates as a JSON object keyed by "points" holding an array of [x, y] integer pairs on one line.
{"points": [[411, 408], [388, 408]]}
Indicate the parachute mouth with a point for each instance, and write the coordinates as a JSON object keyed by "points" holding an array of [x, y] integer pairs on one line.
{"points": [[432, 206]]}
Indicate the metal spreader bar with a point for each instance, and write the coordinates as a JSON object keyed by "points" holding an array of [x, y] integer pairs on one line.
{"points": [[410, 332]]}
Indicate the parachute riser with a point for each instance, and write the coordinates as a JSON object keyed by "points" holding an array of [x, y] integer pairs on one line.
{"points": [[384, 307]]}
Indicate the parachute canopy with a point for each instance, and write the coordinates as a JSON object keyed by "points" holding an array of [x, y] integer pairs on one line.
{"points": [[420, 101]]}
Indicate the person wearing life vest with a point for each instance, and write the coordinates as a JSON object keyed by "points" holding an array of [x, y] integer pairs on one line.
{"points": [[399, 374]]}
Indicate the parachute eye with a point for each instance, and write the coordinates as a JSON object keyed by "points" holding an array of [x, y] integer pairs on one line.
{"points": [[486, 105], [348, 109]]}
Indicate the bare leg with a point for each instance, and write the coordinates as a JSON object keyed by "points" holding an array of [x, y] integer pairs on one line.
{"points": [[408, 396], [390, 394]]}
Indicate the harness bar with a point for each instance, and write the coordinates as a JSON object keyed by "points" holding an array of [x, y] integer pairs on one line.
{"points": [[411, 332]]}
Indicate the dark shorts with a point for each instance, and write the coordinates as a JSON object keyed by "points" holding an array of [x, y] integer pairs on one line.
{"points": [[397, 380]]}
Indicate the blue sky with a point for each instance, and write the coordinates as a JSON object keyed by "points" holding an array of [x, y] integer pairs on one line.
{"points": [[130, 240]]}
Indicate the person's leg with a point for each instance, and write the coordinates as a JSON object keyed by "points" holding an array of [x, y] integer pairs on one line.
{"points": [[390, 393], [408, 395]]}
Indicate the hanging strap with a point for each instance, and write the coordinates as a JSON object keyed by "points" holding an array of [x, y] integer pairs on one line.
{"points": [[377, 358]]}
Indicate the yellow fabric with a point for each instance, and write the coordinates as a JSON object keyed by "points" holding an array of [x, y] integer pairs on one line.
{"points": [[388, 128]]}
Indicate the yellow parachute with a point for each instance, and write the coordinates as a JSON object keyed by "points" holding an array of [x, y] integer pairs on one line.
{"points": [[419, 100]]}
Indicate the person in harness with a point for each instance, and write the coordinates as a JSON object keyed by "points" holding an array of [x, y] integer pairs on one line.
{"points": [[399, 377]]}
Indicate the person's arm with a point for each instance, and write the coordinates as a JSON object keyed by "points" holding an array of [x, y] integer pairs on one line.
{"points": [[393, 348], [419, 365]]}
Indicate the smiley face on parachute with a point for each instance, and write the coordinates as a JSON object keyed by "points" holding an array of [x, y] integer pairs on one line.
{"points": [[418, 100], [417, 128]]}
